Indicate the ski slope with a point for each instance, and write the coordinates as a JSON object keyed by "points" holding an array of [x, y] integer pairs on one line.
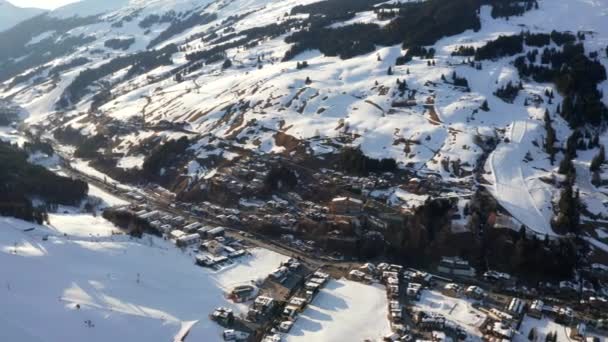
{"points": [[127, 289], [510, 187]]}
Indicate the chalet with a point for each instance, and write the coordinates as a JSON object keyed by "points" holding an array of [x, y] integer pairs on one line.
{"points": [[294, 306], [497, 277], [356, 275], [179, 220], [188, 240], [285, 326], [417, 277], [452, 290], [413, 290], [176, 234], [393, 291], [166, 228], [192, 227], [500, 315], [202, 232], [149, 215], [516, 307], [501, 330], [223, 316], [263, 303], [213, 247], [395, 311], [215, 232], [242, 293], [475, 292], [536, 309], [456, 267], [346, 206]]}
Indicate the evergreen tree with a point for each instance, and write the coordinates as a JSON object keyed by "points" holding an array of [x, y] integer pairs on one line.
{"points": [[598, 160], [484, 106], [550, 138], [389, 71]]}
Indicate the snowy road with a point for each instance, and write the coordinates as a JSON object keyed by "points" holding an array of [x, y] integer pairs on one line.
{"points": [[510, 188]]}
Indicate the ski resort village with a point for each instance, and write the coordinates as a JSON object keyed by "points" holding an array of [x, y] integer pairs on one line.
{"points": [[304, 170]]}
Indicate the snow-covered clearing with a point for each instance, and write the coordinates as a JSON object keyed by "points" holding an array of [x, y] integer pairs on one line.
{"points": [[458, 310], [510, 187], [343, 309], [545, 326], [127, 289]]}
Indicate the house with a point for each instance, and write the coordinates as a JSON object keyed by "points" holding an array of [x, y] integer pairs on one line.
{"points": [[346, 206], [455, 266], [285, 326], [356, 275], [294, 306], [213, 247], [241, 293], [188, 240], [192, 227], [516, 307], [413, 290], [475, 292], [417, 277], [233, 335], [498, 277], [215, 232], [536, 309], [501, 330], [395, 311], [176, 234], [223, 316], [452, 290]]}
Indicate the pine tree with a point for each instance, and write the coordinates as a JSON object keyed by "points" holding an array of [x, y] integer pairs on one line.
{"points": [[550, 138], [308, 81], [390, 71], [484, 106], [598, 160]]}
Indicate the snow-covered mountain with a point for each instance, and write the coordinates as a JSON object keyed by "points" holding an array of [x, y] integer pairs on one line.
{"points": [[304, 78], [10, 15]]}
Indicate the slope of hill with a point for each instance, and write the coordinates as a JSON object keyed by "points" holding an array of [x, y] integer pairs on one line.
{"points": [[401, 80]]}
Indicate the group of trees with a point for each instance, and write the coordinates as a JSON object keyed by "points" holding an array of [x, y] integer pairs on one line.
{"points": [[163, 156], [21, 181], [352, 160], [508, 92], [576, 77], [417, 24], [137, 64], [280, 179], [501, 47], [506, 9], [180, 25], [119, 44], [550, 137]]}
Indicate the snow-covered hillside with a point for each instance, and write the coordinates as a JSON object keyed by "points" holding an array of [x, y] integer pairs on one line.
{"points": [[414, 114], [75, 280]]}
